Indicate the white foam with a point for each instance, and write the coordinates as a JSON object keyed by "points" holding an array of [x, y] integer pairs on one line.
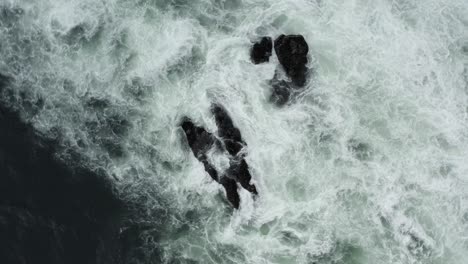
{"points": [[388, 74]]}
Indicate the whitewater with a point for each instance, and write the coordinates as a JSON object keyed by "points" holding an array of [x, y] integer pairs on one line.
{"points": [[367, 164]]}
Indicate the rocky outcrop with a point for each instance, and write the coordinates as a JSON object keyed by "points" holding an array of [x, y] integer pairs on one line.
{"points": [[232, 140], [261, 50], [291, 51], [201, 142], [239, 171], [229, 134]]}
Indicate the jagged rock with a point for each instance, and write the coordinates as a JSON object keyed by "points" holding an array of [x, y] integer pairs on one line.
{"points": [[261, 50], [200, 142], [229, 134], [292, 54], [239, 171]]}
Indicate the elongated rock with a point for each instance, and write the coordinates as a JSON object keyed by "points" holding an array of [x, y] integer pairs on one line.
{"points": [[200, 142], [239, 171], [232, 139], [229, 134]]}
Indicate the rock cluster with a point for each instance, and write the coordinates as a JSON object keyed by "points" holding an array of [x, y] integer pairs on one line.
{"points": [[292, 52]]}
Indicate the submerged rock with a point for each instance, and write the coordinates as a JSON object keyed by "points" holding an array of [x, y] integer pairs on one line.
{"points": [[201, 141], [232, 195], [292, 54], [261, 50], [362, 151], [281, 92]]}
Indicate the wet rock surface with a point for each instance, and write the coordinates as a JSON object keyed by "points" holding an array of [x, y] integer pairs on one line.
{"points": [[232, 139], [201, 141], [292, 54], [229, 134], [232, 194], [261, 50], [239, 171]]}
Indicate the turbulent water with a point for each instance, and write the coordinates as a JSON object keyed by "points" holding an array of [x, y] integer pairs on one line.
{"points": [[368, 164]]}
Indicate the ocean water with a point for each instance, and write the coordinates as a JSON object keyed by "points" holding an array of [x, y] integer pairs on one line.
{"points": [[367, 164]]}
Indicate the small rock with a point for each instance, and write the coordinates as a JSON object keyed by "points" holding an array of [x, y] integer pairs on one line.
{"points": [[261, 50], [200, 142]]}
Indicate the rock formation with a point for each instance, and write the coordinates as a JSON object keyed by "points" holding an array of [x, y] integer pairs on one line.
{"points": [[261, 50], [201, 142], [292, 54]]}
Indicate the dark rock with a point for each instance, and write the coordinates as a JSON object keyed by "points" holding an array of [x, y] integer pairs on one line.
{"points": [[239, 171], [230, 135], [234, 143], [261, 50], [201, 141], [52, 211], [231, 191], [292, 54], [209, 168]]}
